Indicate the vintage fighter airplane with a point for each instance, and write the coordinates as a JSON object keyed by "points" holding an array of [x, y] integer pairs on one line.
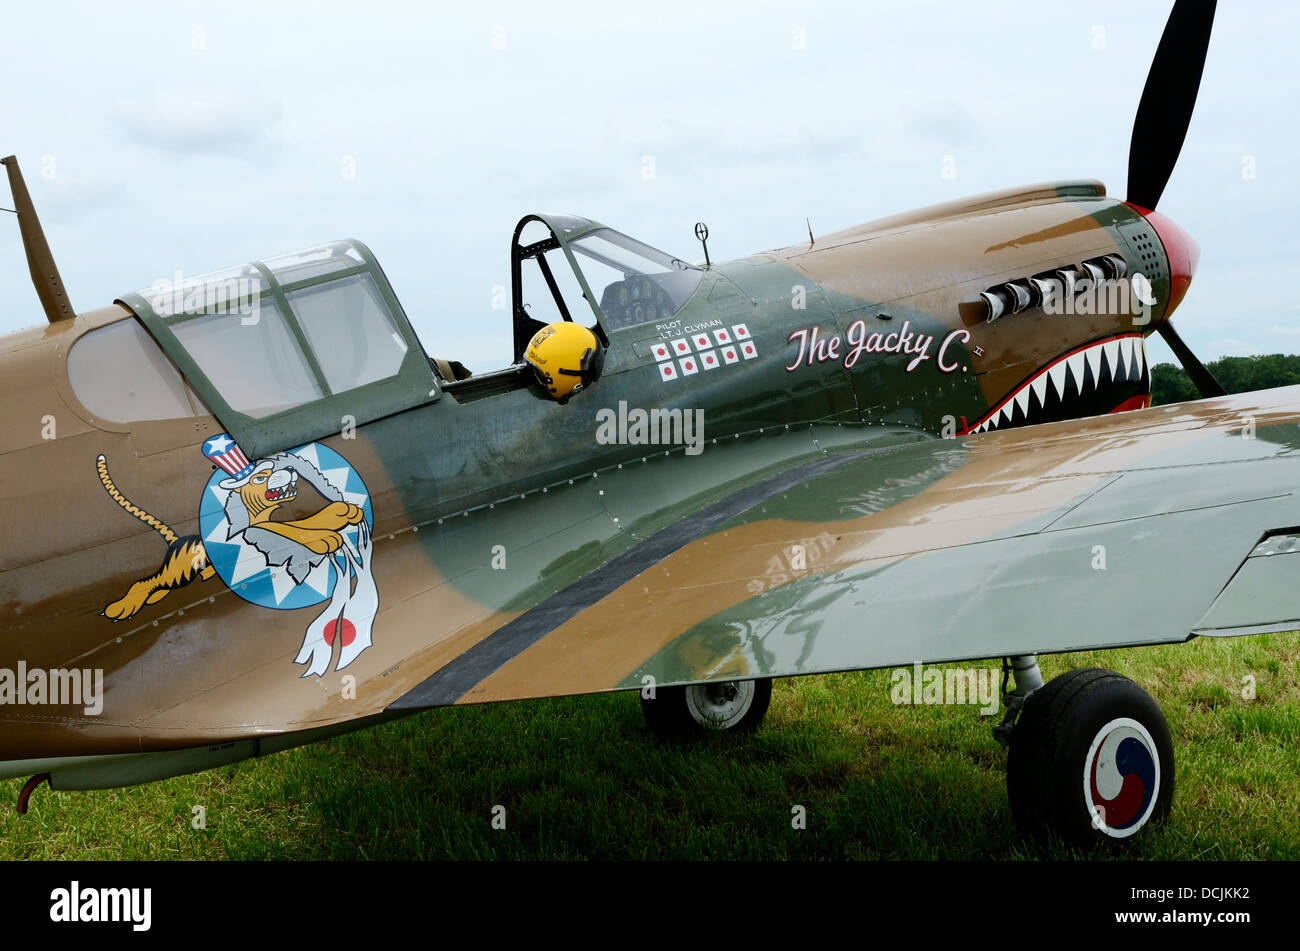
{"points": [[257, 506]]}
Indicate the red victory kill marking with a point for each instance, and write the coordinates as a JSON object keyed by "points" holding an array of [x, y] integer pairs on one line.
{"points": [[681, 346], [668, 371], [349, 632], [661, 352]]}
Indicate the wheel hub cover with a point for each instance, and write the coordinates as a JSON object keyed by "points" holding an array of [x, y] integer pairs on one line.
{"points": [[1121, 777], [720, 706]]}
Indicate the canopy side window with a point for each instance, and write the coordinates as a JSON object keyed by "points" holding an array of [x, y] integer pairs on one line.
{"points": [[550, 292], [120, 375], [257, 364], [636, 283], [286, 348], [350, 330]]}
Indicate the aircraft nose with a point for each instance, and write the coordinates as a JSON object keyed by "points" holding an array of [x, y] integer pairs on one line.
{"points": [[1181, 250]]}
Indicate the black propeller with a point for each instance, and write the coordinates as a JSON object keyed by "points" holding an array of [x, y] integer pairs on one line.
{"points": [[1165, 110], [1197, 372], [1159, 129]]}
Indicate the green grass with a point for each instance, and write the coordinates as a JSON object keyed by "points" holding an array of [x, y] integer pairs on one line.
{"points": [[584, 778]]}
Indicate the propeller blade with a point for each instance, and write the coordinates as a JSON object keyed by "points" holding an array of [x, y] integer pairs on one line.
{"points": [[1165, 110], [1201, 377]]}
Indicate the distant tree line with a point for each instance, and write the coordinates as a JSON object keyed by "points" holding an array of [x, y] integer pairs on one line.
{"points": [[1170, 383]]}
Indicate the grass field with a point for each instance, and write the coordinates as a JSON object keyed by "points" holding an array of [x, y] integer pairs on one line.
{"points": [[584, 778]]}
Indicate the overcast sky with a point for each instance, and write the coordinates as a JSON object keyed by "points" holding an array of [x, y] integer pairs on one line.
{"points": [[193, 135]]}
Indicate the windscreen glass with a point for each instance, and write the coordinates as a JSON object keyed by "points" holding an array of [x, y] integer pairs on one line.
{"points": [[633, 282]]}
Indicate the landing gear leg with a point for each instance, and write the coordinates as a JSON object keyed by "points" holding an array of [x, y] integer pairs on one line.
{"points": [[1028, 679]]}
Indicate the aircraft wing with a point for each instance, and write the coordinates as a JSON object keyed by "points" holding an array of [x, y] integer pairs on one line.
{"points": [[775, 553], [1140, 528]]}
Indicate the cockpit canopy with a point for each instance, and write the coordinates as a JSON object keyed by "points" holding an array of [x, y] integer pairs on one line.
{"points": [[564, 266], [290, 347]]}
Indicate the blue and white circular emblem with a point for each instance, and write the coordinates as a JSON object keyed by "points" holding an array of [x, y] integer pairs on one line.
{"points": [[264, 556]]}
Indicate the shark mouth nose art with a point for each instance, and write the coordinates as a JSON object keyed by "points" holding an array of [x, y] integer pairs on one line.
{"points": [[1104, 376]]}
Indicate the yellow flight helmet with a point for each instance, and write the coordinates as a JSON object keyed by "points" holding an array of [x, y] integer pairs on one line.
{"points": [[565, 357]]}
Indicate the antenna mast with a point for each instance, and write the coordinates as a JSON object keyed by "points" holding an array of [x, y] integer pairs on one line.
{"points": [[40, 261]]}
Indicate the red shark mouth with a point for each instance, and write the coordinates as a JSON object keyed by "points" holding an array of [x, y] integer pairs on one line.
{"points": [[1103, 376]]}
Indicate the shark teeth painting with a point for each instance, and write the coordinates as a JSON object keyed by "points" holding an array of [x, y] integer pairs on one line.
{"points": [[1100, 377]]}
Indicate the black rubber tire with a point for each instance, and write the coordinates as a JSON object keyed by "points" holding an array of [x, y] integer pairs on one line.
{"points": [[669, 713], [1050, 747]]}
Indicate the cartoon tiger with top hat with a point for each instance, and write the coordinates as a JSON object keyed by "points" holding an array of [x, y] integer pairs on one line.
{"points": [[256, 491]]}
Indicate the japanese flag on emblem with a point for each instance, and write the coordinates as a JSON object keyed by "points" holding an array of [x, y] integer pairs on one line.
{"points": [[689, 365], [748, 350], [680, 347], [730, 355], [709, 360], [668, 371], [722, 336], [702, 341], [661, 351], [740, 331]]}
